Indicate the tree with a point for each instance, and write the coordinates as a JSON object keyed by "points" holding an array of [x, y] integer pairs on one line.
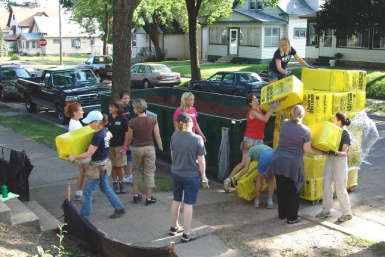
{"points": [[347, 18], [3, 46]]}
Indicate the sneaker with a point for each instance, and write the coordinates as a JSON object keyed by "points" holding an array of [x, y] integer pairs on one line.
{"points": [[226, 185], [117, 213], [270, 204], [151, 201], [256, 203], [323, 215], [116, 187], [175, 230], [127, 179], [298, 220], [122, 188], [78, 198], [137, 198], [344, 218], [191, 236]]}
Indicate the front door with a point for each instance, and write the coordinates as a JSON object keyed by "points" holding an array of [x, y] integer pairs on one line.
{"points": [[233, 47], [327, 45]]}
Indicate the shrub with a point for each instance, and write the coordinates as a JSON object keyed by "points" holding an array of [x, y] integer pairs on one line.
{"points": [[239, 60], [37, 54], [25, 54], [213, 59], [15, 57]]}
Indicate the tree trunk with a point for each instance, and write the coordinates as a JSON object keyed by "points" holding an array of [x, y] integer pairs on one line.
{"points": [[192, 11], [152, 30], [107, 30], [123, 14]]}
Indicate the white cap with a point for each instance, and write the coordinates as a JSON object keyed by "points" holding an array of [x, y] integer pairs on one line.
{"points": [[92, 116]]}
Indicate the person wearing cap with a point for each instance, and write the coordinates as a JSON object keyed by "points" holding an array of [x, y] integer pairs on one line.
{"points": [[97, 173], [187, 174]]}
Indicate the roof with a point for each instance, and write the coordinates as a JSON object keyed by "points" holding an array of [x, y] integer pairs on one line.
{"points": [[295, 7], [261, 17], [30, 36], [4, 20], [10, 38], [24, 15]]}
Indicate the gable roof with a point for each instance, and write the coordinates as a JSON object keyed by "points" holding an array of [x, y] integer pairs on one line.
{"points": [[4, 20], [260, 17], [295, 8], [24, 15]]}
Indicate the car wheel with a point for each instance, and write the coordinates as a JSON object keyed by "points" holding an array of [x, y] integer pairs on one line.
{"points": [[29, 105], [198, 88], [60, 114], [146, 84], [2, 95], [237, 93]]}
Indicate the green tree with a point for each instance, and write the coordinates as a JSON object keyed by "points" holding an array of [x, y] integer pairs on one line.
{"points": [[3, 46], [347, 18]]}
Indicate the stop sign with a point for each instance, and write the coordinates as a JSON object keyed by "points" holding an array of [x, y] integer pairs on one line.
{"points": [[42, 42]]}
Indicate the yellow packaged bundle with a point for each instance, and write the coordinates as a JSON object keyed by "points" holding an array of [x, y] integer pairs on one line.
{"points": [[314, 165], [360, 100], [312, 189], [289, 91], [315, 79], [359, 80], [354, 158], [342, 80], [74, 142], [281, 116], [352, 178], [325, 136], [310, 119], [318, 102], [344, 102], [275, 138], [246, 184]]}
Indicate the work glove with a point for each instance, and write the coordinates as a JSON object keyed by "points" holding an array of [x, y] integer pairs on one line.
{"points": [[310, 66], [289, 72], [323, 153], [71, 158], [236, 181], [159, 153], [274, 105], [124, 149], [205, 182]]}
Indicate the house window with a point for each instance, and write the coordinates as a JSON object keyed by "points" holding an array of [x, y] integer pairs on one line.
{"points": [[27, 44], [33, 44], [299, 33], [75, 43], [37, 45], [252, 4], [56, 40], [23, 42], [359, 41], [92, 41], [271, 37], [313, 37], [248, 36], [260, 5], [378, 40], [218, 35], [256, 5]]}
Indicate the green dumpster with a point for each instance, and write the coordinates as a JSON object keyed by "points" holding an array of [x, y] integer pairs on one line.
{"points": [[216, 111]]}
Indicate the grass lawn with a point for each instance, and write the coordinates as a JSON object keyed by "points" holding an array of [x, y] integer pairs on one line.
{"points": [[72, 60]]}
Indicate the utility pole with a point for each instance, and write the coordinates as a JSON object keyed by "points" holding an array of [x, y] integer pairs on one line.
{"points": [[60, 37]]}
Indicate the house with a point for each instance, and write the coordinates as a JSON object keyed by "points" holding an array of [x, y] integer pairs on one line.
{"points": [[253, 31], [3, 23]]}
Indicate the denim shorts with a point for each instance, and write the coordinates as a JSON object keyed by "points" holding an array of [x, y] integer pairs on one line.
{"points": [[253, 141], [264, 161], [185, 188], [276, 76], [129, 159]]}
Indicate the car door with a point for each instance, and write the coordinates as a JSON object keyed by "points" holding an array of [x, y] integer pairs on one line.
{"points": [[212, 84], [227, 84], [134, 75], [46, 90]]}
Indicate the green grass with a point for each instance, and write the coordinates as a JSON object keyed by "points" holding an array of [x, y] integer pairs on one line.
{"points": [[50, 59], [375, 84]]}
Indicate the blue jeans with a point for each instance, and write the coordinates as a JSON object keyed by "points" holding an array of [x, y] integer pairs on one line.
{"points": [[88, 193], [185, 188]]}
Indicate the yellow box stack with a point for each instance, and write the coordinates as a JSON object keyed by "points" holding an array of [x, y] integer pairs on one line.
{"points": [[313, 166]]}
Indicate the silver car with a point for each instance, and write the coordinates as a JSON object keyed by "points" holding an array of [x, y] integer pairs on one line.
{"points": [[148, 75]]}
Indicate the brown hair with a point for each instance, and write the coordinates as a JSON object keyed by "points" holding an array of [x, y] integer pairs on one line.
{"points": [[182, 126], [123, 93], [118, 104], [343, 118], [71, 109]]}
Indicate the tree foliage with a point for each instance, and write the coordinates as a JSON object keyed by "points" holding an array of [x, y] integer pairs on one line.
{"points": [[3, 46], [347, 18], [8, 4]]}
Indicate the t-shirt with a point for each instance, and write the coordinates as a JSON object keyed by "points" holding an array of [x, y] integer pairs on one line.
{"points": [[293, 135], [284, 59], [142, 128], [193, 114], [345, 139], [117, 126], [74, 125], [255, 128], [186, 147], [101, 140], [126, 112], [256, 150]]}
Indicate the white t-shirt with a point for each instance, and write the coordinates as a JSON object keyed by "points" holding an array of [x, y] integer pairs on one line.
{"points": [[74, 125]]}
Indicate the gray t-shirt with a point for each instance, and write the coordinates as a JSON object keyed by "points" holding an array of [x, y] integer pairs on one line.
{"points": [[293, 135], [186, 147]]}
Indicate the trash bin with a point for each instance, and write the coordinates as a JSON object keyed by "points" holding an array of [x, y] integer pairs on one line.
{"points": [[216, 111], [332, 63]]}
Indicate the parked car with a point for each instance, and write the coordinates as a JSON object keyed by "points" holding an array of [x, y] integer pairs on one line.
{"points": [[9, 74], [60, 86], [148, 75], [240, 83], [98, 65]]}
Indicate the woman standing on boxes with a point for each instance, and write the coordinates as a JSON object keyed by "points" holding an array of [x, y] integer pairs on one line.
{"points": [[186, 105], [336, 171], [277, 67], [75, 111], [287, 163], [255, 129], [97, 173]]}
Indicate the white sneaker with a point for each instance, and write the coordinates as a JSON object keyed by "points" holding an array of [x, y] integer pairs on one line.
{"points": [[127, 179], [226, 185]]}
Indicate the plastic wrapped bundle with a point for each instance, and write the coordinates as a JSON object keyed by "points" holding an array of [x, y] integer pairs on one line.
{"points": [[325, 136]]}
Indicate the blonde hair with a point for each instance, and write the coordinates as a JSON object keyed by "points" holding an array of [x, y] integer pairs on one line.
{"points": [[284, 40], [140, 105], [245, 145], [183, 99], [297, 113]]}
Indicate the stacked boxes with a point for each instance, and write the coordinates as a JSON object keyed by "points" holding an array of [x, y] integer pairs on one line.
{"points": [[314, 166]]}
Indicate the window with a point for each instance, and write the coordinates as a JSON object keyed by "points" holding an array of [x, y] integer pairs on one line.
{"points": [[359, 41], [252, 4], [248, 36], [299, 33], [312, 35], [56, 40], [218, 35], [27, 45], [260, 5], [378, 40], [33, 44], [256, 5], [37, 45], [92, 41], [271, 36], [216, 77], [75, 43]]}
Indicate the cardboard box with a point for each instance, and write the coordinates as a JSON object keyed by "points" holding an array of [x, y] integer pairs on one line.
{"points": [[314, 165], [312, 189], [344, 102], [318, 102]]}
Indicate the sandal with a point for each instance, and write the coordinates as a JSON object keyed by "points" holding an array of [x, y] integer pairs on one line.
{"points": [[298, 220]]}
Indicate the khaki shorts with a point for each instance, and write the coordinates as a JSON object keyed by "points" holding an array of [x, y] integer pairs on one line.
{"points": [[117, 158], [143, 158]]}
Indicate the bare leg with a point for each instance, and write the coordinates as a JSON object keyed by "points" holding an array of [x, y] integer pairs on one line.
{"points": [[187, 217], [258, 185], [148, 193], [129, 169], [114, 173], [175, 207], [272, 80], [119, 173], [135, 188], [82, 180]]}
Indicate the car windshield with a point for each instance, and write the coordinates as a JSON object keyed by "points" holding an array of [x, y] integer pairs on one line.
{"points": [[22, 73], [159, 68], [69, 78], [250, 77], [15, 73]]}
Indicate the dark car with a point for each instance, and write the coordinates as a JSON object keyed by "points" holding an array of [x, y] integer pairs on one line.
{"points": [[241, 83], [9, 74]]}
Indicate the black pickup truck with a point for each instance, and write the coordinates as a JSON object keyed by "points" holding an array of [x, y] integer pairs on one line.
{"points": [[58, 87]]}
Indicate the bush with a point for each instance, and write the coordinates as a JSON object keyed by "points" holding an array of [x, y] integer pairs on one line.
{"points": [[239, 60], [25, 54], [213, 59], [37, 54], [15, 57]]}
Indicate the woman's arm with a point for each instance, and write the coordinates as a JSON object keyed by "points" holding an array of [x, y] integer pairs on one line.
{"points": [[259, 116], [246, 168], [199, 132], [129, 137], [91, 150], [300, 60], [344, 152], [310, 150], [157, 136], [202, 165], [278, 64], [175, 125]]}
